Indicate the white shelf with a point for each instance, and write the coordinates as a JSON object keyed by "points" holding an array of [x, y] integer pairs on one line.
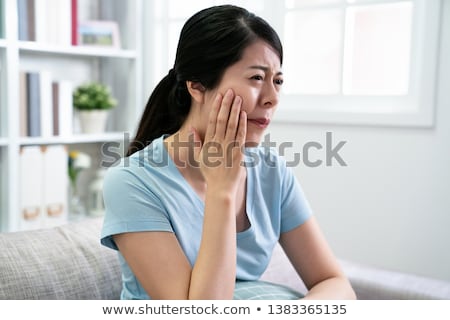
{"points": [[80, 138], [120, 69], [76, 50]]}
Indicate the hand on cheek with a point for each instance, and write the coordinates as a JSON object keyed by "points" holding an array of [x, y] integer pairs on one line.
{"points": [[220, 155]]}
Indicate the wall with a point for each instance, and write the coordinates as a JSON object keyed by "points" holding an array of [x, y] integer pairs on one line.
{"points": [[390, 206]]}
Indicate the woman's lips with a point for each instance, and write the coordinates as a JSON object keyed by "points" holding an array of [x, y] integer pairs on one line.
{"points": [[260, 122]]}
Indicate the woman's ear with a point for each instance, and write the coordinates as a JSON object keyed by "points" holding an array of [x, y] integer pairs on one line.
{"points": [[196, 90]]}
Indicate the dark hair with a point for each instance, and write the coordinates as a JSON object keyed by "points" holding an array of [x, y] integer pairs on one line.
{"points": [[210, 41]]}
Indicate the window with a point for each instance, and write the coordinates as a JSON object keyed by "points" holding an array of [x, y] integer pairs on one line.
{"points": [[360, 61], [369, 62]]}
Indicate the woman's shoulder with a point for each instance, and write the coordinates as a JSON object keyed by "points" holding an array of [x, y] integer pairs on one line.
{"points": [[139, 164]]}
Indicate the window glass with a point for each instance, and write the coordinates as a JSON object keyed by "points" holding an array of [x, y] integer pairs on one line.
{"points": [[377, 49], [313, 46]]}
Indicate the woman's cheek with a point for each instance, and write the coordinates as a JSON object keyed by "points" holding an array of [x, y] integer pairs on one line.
{"points": [[249, 98]]}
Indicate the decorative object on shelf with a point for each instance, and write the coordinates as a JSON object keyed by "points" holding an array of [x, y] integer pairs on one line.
{"points": [[93, 101], [99, 34], [77, 161], [96, 206]]}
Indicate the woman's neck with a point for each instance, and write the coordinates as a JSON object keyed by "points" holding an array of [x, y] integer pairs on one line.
{"points": [[180, 147]]}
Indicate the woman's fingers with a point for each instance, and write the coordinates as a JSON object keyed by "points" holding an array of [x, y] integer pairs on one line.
{"points": [[211, 128], [224, 114], [233, 120]]}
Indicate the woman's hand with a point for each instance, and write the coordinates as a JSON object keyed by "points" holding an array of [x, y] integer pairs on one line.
{"points": [[220, 155]]}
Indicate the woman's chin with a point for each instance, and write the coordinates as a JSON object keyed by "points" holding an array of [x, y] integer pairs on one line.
{"points": [[252, 141]]}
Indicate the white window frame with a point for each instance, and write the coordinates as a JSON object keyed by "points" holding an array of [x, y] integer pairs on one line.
{"points": [[416, 109]]}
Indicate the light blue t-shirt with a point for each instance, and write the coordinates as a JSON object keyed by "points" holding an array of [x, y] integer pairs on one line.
{"points": [[146, 192]]}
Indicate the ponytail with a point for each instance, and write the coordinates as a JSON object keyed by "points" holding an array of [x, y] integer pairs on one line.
{"points": [[164, 113]]}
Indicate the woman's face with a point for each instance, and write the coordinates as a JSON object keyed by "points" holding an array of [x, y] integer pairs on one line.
{"points": [[257, 79]]}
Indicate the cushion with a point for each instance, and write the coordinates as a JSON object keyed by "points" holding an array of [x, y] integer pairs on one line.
{"points": [[66, 262], [263, 290]]}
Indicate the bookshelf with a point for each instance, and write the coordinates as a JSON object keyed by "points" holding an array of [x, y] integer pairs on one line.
{"points": [[120, 68]]}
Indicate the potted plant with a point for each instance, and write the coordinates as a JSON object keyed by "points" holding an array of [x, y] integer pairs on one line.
{"points": [[93, 101]]}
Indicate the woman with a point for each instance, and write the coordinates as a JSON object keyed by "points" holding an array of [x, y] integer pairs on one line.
{"points": [[190, 209]]}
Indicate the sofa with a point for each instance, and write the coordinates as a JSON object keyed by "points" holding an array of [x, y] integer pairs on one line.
{"points": [[68, 262]]}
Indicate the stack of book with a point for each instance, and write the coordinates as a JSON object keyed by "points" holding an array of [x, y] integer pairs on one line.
{"points": [[45, 105], [48, 21]]}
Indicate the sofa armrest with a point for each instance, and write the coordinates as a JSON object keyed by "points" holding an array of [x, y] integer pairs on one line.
{"points": [[372, 283], [369, 283]]}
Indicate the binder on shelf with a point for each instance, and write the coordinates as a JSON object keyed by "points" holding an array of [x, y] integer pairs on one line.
{"points": [[55, 185], [30, 186], [43, 186]]}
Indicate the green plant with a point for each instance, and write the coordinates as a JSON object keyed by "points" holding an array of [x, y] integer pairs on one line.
{"points": [[93, 96]]}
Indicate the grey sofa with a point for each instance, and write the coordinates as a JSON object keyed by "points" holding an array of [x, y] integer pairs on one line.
{"points": [[68, 262]]}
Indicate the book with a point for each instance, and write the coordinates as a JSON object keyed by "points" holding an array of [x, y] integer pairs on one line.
{"points": [[74, 22], [65, 105], [33, 104], [23, 109], [22, 11], [2, 21], [65, 23], [31, 27], [40, 21], [55, 107], [46, 116]]}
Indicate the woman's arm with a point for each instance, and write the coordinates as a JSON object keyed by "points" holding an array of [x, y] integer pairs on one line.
{"points": [[315, 263], [159, 263], [157, 259]]}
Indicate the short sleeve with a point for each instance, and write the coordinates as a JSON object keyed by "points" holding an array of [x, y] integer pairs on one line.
{"points": [[295, 208], [130, 205]]}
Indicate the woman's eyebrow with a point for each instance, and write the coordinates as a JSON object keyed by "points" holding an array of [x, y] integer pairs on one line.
{"points": [[264, 68]]}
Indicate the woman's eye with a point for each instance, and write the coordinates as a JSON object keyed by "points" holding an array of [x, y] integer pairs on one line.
{"points": [[257, 77]]}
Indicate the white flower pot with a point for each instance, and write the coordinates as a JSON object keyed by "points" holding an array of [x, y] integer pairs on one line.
{"points": [[93, 121]]}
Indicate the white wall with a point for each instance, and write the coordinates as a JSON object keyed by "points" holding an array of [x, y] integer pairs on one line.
{"points": [[390, 206]]}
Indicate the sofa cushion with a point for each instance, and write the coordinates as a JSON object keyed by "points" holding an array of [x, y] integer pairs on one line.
{"points": [[65, 262], [263, 290]]}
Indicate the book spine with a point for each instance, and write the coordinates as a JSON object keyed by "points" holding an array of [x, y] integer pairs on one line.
{"points": [[74, 22], [46, 103], [65, 108], [33, 104], [22, 10], [55, 108], [23, 98]]}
